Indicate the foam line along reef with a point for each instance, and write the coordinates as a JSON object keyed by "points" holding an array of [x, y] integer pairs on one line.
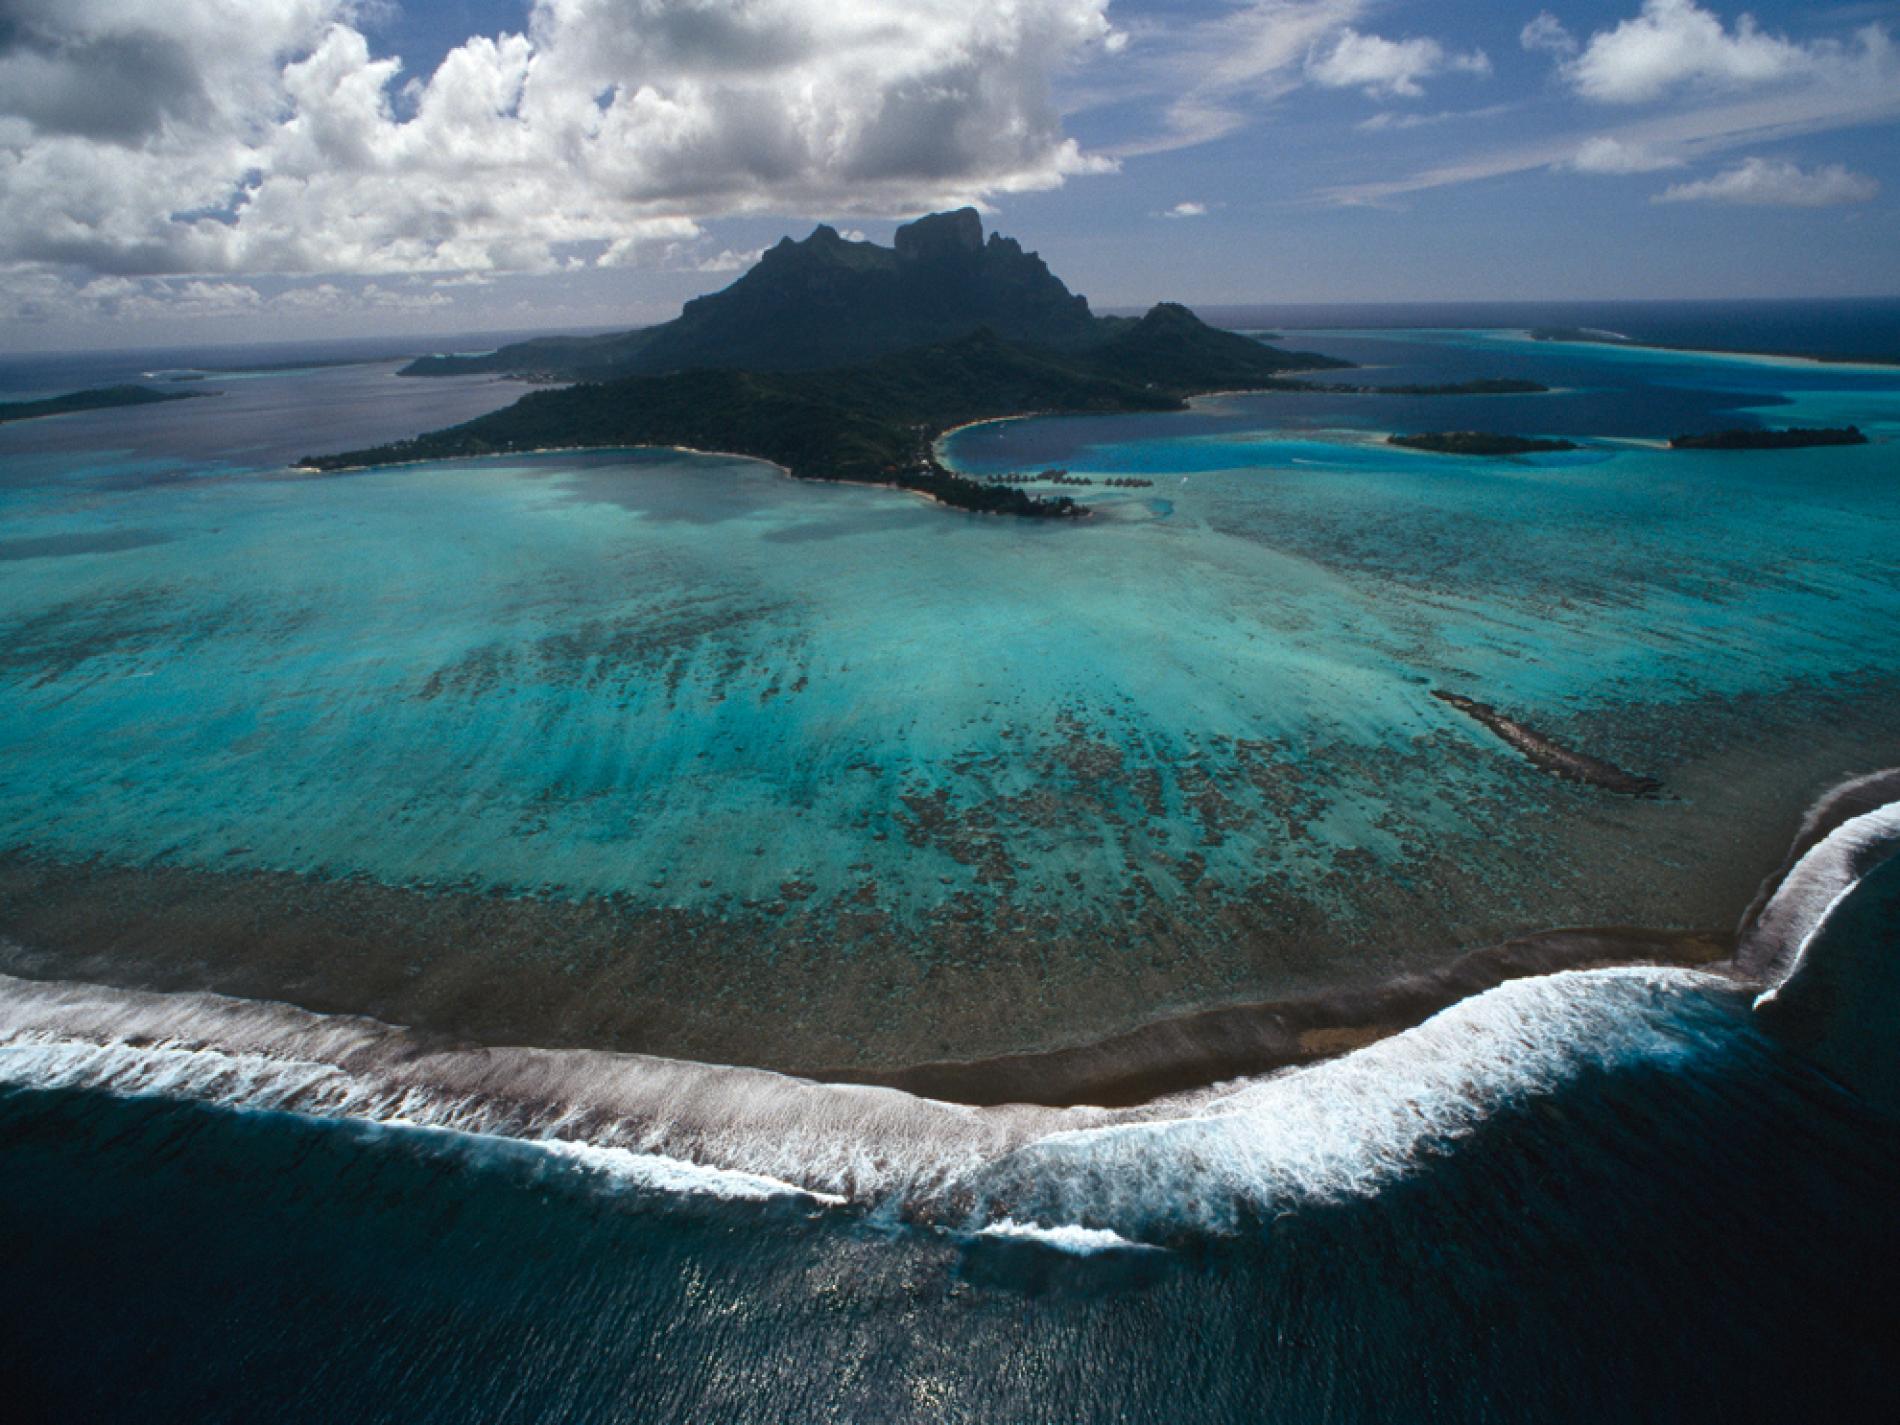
{"points": [[1191, 1164], [1207, 1159]]}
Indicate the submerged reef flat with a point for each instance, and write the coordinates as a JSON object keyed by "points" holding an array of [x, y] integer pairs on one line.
{"points": [[863, 980], [669, 753]]}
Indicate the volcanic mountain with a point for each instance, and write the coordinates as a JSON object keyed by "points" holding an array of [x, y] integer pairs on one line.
{"points": [[842, 360], [828, 301]]}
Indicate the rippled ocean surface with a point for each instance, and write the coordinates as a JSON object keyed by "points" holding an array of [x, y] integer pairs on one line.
{"points": [[665, 753]]}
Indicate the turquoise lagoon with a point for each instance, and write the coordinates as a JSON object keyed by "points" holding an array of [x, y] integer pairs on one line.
{"points": [[855, 778]]}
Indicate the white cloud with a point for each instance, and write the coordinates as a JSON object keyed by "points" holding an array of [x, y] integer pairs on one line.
{"points": [[1841, 86], [1186, 210], [242, 137], [1547, 33], [30, 295], [726, 260], [1387, 119], [1605, 154], [1769, 182], [1673, 43], [1216, 75], [1385, 67]]}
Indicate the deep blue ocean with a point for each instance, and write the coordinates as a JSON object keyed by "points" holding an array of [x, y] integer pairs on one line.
{"points": [[1609, 1195]]}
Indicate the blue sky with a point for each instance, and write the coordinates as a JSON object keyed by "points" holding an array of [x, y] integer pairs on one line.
{"points": [[248, 169]]}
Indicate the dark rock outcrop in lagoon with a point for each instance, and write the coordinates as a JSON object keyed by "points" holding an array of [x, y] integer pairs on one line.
{"points": [[1552, 756], [99, 399], [1792, 438], [1477, 442]]}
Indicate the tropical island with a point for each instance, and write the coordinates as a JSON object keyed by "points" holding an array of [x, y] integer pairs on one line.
{"points": [[1478, 442], [98, 399], [1792, 438], [844, 361]]}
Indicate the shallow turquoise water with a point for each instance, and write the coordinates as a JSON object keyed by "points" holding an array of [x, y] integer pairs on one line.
{"points": [[691, 683], [1617, 1195]]}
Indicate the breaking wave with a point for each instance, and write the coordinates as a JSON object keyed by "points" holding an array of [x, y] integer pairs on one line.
{"points": [[1077, 1179], [1845, 837]]}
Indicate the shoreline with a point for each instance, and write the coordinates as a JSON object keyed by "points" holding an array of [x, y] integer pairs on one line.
{"points": [[1187, 403], [783, 471]]}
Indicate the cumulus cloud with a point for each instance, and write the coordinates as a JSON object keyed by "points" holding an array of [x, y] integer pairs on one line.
{"points": [[727, 260], [1675, 43], [30, 295], [1767, 182], [1546, 33], [238, 137], [1387, 68], [1728, 99], [1186, 210], [1607, 154]]}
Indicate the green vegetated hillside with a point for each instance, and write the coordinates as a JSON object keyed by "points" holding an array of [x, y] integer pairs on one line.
{"points": [[845, 360], [875, 420], [829, 301], [98, 399]]}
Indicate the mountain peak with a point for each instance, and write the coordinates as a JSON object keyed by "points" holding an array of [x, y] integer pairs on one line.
{"points": [[827, 300], [939, 233]]}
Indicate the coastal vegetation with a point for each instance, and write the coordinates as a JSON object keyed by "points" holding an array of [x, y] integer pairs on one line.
{"points": [[1589, 334], [1477, 442], [843, 360], [874, 422], [98, 399], [1792, 438]]}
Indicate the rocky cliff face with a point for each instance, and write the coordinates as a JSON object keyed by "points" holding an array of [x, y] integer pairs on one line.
{"points": [[826, 301]]}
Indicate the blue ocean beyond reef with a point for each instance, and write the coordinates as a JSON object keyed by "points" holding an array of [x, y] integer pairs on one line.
{"points": [[663, 752]]}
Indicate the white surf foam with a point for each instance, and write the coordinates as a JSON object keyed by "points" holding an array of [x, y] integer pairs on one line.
{"points": [[1077, 1241], [1347, 1126], [1196, 1162], [1775, 943]]}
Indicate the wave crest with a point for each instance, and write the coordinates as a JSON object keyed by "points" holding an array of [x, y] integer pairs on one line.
{"points": [[1206, 1161]]}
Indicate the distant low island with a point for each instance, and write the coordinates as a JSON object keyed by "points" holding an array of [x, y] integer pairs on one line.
{"points": [[1478, 442], [98, 399], [1595, 337], [1792, 438], [946, 330]]}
